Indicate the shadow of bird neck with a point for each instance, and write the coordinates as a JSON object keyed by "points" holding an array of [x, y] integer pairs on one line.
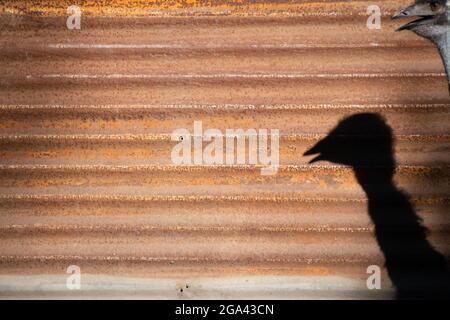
{"points": [[376, 181]]}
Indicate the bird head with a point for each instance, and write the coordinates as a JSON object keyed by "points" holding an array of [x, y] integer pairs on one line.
{"points": [[433, 23], [362, 139], [428, 13]]}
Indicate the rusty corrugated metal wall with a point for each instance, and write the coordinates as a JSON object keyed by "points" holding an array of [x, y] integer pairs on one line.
{"points": [[86, 173]]}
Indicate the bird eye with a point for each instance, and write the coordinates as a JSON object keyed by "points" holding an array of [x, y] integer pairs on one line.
{"points": [[435, 5]]}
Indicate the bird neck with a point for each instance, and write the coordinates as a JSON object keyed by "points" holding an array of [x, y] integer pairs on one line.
{"points": [[443, 44]]}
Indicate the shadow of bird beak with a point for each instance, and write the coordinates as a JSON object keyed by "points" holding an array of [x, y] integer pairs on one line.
{"points": [[316, 150]]}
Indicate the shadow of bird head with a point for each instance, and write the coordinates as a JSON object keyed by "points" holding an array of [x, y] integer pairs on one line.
{"points": [[430, 15], [362, 139]]}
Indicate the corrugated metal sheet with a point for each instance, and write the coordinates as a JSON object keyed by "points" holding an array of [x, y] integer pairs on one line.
{"points": [[86, 174]]}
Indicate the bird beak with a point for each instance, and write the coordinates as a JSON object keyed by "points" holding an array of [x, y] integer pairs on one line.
{"points": [[405, 13], [412, 24], [416, 10]]}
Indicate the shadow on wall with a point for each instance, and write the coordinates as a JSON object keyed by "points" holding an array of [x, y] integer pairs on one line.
{"points": [[365, 142]]}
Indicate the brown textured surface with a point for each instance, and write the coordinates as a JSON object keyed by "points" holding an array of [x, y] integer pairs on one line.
{"points": [[85, 123]]}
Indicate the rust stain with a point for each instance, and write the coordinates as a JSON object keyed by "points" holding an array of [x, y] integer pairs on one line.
{"points": [[194, 7]]}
